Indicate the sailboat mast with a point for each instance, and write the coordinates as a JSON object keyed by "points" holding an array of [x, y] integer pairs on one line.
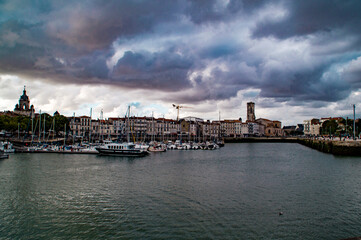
{"points": [[64, 133], [73, 126], [90, 126], [219, 126], [39, 126], [44, 129], [128, 126], [163, 129], [101, 124], [32, 129], [54, 128]]}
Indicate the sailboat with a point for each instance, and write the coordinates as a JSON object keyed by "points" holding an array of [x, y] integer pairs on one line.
{"points": [[155, 146]]}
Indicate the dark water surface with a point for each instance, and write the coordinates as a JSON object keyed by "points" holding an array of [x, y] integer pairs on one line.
{"points": [[232, 193]]}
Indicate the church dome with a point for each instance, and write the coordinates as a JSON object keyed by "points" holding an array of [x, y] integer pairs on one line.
{"points": [[24, 97]]}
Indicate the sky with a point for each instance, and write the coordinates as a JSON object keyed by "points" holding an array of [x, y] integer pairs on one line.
{"points": [[295, 60]]}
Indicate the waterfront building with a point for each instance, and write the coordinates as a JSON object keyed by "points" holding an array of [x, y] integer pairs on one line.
{"points": [[312, 127], [80, 126], [306, 127], [23, 107], [191, 128], [101, 129], [171, 129], [299, 129], [139, 127], [145, 128], [289, 130], [221, 128], [252, 129], [272, 128], [117, 125], [229, 127], [166, 129], [209, 130], [238, 128]]}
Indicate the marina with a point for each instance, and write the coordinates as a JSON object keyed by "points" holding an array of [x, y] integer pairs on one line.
{"points": [[235, 192], [222, 119]]}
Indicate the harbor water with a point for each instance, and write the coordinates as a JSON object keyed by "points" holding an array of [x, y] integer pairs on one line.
{"points": [[235, 192]]}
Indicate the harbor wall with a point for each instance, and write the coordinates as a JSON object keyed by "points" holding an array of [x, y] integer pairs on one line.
{"points": [[342, 148]]}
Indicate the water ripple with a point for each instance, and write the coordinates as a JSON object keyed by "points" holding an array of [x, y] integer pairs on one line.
{"points": [[233, 193]]}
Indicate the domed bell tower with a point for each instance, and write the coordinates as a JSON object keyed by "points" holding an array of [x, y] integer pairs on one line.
{"points": [[24, 107]]}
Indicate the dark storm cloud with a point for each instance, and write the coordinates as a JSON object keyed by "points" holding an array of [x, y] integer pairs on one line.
{"points": [[208, 47], [96, 24], [313, 16], [162, 70], [305, 85]]}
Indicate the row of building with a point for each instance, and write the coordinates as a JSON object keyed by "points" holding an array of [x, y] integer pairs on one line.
{"points": [[317, 127], [149, 128], [190, 128]]}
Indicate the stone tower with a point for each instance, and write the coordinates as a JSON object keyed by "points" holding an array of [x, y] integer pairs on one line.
{"points": [[24, 101], [24, 107], [251, 117]]}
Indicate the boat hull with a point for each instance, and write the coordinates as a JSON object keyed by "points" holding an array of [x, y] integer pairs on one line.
{"points": [[122, 153]]}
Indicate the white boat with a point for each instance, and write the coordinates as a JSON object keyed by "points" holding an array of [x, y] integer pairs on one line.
{"points": [[4, 156], [211, 146], [186, 146], [121, 149], [157, 148], [6, 147], [171, 146], [89, 149], [195, 146], [142, 146]]}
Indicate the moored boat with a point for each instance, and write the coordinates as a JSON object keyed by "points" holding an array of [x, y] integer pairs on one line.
{"points": [[6, 147], [4, 156], [157, 148], [121, 149]]}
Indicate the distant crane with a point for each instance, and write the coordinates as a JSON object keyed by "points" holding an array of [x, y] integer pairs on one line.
{"points": [[179, 107]]}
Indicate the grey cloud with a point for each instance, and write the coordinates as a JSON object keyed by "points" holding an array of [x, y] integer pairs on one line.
{"points": [[72, 42], [92, 66], [352, 73], [305, 85], [308, 17], [163, 70], [212, 10], [96, 24]]}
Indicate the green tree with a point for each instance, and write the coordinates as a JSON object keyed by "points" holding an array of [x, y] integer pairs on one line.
{"points": [[329, 127], [60, 122]]}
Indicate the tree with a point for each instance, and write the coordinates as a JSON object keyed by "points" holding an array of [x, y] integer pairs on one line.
{"points": [[60, 122], [329, 127]]}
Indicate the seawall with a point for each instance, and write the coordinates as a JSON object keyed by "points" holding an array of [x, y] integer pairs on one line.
{"points": [[344, 148]]}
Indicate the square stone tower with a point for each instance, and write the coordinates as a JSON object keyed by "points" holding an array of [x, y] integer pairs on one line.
{"points": [[251, 117]]}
